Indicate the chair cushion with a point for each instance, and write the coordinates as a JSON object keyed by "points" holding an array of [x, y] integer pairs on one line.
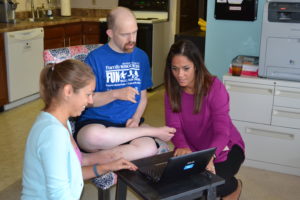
{"points": [[73, 52]]}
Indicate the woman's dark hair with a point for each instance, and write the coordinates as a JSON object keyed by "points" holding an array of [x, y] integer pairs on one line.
{"points": [[203, 79], [54, 77]]}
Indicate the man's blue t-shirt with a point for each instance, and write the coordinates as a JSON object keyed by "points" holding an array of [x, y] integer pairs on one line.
{"points": [[115, 70]]}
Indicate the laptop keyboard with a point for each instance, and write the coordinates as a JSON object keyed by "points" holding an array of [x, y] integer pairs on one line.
{"points": [[153, 173]]}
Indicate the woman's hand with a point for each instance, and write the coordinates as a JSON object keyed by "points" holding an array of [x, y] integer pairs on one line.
{"points": [[182, 151], [210, 166], [121, 164]]}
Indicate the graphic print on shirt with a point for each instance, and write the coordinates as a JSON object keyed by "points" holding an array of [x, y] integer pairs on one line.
{"points": [[126, 74]]}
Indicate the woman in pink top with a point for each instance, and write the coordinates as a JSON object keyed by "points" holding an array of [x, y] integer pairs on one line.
{"points": [[197, 105]]}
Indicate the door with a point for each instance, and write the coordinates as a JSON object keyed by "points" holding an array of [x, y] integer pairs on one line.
{"points": [[190, 12]]}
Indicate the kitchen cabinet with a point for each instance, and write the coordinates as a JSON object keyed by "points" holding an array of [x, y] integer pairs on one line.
{"points": [[91, 32], [54, 37], [3, 82], [73, 34], [267, 114], [62, 35]]}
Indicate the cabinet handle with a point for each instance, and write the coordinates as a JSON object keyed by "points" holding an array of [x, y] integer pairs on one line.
{"points": [[268, 133], [286, 93], [64, 42], [287, 114], [249, 89], [69, 41]]}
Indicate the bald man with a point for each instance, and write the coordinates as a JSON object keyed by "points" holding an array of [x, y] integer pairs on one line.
{"points": [[122, 78]]}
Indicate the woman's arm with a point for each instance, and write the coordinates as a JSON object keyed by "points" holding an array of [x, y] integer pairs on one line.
{"points": [[54, 144], [173, 120], [219, 106], [88, 172]]}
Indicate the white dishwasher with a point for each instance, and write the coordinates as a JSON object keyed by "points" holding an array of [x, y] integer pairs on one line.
{"points": [[24, 61]]}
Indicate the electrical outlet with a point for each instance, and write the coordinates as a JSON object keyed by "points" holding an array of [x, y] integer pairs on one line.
{"points": [[94, 2]]}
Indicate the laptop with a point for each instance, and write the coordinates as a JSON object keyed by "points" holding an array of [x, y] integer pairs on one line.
{"points": [[178, 167]]}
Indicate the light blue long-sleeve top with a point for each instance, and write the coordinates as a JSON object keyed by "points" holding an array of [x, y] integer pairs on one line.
{"points": [[51, 167]]}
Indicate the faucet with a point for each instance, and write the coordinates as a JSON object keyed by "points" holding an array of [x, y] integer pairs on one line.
{"points": [[32, 9], [40, 10]]}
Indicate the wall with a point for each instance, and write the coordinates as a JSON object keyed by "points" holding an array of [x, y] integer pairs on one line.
{"points": [[95, 4], [25, 5], [226, 39]]}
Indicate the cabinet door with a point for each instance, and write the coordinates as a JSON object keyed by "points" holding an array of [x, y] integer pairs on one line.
{"points": [[271, 144], [3, 82], [54, 37], [73, 34], [250, 102], [91, 32]]}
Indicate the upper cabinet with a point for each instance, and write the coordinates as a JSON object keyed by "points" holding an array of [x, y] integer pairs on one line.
{"points": [[3, 83]]}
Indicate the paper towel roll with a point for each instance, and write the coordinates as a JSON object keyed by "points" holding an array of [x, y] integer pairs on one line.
{"points": [[65, 8]]}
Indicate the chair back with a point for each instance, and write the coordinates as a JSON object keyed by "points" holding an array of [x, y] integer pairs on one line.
{"points": [[78, 52]]}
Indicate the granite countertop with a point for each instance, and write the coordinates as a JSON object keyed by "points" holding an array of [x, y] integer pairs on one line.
{"points": [[26, 24]]}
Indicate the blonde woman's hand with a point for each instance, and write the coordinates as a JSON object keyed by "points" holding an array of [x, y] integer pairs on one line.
{"points": [[121, 164], [182, 151]]}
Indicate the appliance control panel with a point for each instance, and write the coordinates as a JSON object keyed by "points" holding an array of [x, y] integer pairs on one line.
{"points": [[146, 5]]}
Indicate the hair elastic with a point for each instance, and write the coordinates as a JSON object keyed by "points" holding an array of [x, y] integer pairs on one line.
{"points": [[95, 170]]}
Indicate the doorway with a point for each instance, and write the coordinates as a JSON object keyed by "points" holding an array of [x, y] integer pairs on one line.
{"points": [[190, 12]]}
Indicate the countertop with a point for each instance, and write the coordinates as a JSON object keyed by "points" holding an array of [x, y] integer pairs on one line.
{"points": [[26, 24]]}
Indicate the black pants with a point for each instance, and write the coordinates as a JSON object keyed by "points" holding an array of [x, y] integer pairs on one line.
{"points": [[228, 169]]}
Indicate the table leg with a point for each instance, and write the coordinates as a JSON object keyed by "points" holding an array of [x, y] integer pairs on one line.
{"points": [[121, 190], [211, 193]]}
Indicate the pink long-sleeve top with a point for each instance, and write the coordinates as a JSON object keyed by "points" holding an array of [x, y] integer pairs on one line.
{"points": [[211, 127]]}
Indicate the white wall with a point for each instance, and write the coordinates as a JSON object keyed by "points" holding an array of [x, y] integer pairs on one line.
{"points": [[94, 4]]}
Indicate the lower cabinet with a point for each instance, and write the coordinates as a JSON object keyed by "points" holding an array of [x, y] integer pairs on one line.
{"points": [[54, 37], [3, 83], [91, 32], [267, 114], [71, 34]]}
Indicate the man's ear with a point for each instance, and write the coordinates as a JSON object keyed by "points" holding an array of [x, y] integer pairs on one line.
{"points": [[109, 33]]}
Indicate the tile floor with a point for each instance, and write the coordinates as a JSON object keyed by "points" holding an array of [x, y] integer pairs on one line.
{"points": [[16, 123]]}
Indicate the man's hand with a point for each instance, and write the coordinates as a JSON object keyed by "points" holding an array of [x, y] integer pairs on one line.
{"points": [[132, 123], [126, 94], [182, 151]]}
